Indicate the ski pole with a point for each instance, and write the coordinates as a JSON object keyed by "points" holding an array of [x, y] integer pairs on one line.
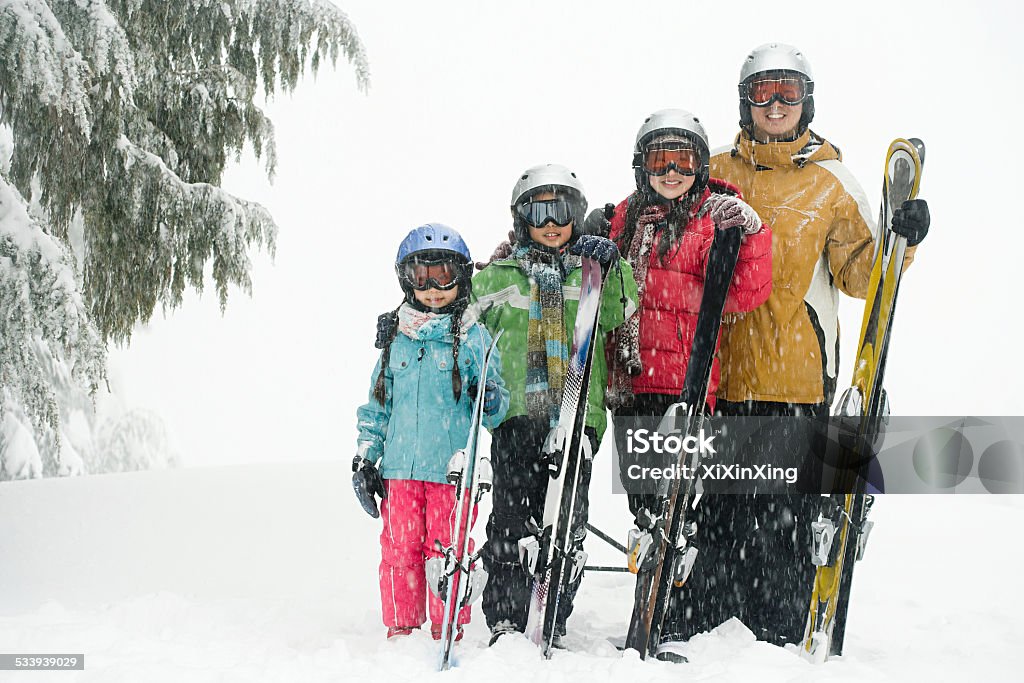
{"points": [[607, 539]]}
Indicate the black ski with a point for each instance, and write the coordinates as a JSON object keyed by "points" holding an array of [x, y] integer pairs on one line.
{"points": [[669, 558]]}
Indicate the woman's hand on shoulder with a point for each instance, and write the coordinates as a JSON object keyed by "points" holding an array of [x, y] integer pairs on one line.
{"points": [[730, 212], [502, 251]]}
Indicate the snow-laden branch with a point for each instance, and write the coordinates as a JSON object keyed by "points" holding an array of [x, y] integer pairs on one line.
{"points": [[41, 305], [38, 64]]}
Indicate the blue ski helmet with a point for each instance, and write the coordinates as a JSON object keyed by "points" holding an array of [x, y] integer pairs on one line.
{"points": [[435, 241]]}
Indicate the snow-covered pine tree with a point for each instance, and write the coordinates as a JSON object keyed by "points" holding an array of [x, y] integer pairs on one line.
{"points": [[117, 119], [135, 440]]}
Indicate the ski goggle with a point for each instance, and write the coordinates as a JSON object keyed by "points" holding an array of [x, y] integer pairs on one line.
{"points": [[539, 213], [440, 274], [763, 91], [660, 160]]}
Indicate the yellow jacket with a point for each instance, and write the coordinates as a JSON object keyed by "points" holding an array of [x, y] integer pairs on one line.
{"points": [[822, 240]]}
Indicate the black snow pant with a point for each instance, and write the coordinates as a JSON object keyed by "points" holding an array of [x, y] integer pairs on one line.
{"points": [[776, 574], [753, 560], [725, 526], [520, 486]]}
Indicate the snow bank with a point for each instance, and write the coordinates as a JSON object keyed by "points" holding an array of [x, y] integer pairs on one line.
{"points": [[268, 573]]}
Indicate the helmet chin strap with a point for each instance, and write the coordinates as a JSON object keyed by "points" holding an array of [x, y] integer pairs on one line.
{"points": [[556, 251], [654, 198], [463, 295], [415, 303], [797, 132]]}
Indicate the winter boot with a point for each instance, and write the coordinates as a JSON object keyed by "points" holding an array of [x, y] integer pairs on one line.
{"points": [[501, 628], [669, 652], [435, 632], [396, 631], [558, 639]]}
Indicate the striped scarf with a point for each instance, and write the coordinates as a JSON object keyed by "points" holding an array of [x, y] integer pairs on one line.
{"points": [[547, 347]]}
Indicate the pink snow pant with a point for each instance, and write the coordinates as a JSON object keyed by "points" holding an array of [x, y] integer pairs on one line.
{"points": [[414, 514]]}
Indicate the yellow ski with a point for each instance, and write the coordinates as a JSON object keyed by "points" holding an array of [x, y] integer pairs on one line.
{"points": [[841, 530]]}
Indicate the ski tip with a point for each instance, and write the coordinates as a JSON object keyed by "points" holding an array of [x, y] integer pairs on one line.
{"points": [[919, 145]]}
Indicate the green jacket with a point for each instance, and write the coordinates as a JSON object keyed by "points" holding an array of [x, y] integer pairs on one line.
{"points": [[502, 291]]}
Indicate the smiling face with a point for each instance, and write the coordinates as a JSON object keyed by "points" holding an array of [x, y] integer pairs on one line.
{"points": [[672, 185], [436, 298], [777, 121], [549, 234]]}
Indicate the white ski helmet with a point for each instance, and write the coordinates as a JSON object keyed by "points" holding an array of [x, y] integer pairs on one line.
{"points": [[671, 122], [548, 178], [776, 57]]}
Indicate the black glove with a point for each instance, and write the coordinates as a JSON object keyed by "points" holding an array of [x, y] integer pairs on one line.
{"points": [[911, 220], [599, 222], [492, 397], [601, 249], [367, 482], [386, 324], [641, 505]]}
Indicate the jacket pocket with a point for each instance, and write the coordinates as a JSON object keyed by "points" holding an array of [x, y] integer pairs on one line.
{"points": [[403, 356], [443, 359]]}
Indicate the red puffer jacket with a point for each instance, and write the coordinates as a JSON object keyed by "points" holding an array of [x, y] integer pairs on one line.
{"points": [[672, 293]]}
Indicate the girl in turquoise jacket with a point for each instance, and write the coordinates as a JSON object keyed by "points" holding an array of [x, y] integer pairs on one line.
{"points": [[418, 414]]}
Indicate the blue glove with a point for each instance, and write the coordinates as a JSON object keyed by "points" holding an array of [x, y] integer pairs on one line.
{"points": [[911, 220], [601, 249], [367, 483], [386, 324], [492, 397]]}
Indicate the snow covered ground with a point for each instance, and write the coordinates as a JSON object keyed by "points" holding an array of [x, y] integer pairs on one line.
{"points": [[268, 573]]}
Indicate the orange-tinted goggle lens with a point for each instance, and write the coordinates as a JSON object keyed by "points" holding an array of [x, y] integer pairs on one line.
{"points": [[764, 91], [436, 274], [660, 161]]}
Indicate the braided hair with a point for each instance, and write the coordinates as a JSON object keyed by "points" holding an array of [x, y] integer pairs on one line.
{"points": [[455, 310], [380, 391]]}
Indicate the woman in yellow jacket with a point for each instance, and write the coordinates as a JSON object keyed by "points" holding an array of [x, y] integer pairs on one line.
{"points": [[782, 358]]}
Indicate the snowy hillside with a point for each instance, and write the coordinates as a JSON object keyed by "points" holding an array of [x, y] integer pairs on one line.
{"points": [[268, 573]]}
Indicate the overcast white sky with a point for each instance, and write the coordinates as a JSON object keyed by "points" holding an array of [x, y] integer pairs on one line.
{"points": [[465, 95]]}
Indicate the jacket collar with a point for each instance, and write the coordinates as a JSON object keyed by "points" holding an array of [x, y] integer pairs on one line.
{"points": [[438, 326], [795, 153]]}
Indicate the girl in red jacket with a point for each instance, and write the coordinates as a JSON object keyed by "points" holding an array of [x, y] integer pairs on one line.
{"points": [[665, 230]]}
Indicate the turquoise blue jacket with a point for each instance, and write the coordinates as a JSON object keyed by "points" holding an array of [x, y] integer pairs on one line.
{"points": [[420, 425]]}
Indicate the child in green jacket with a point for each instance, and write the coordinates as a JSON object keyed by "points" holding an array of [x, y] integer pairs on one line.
{"points": [[533, 296]]}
